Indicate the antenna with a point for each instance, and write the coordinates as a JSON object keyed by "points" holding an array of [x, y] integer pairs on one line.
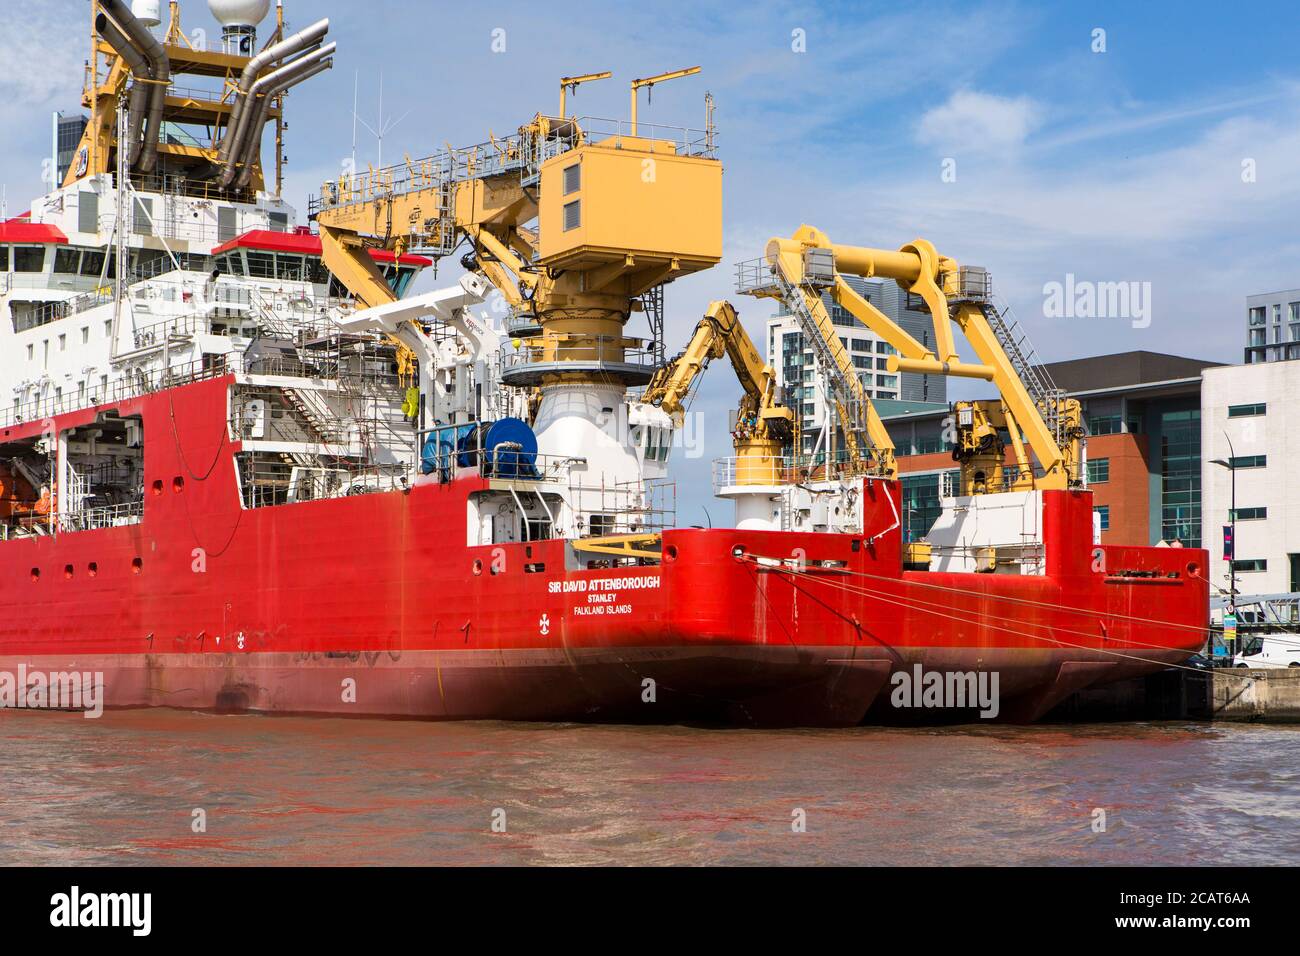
{"points": [[385, 126]]}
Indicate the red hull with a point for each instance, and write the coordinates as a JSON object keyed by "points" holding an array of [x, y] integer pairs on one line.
{"points": [[293, 601]]}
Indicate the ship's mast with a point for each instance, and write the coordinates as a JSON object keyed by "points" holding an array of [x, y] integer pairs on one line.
{"points": [[120, 232]]}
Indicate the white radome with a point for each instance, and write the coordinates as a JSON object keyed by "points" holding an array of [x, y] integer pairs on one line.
{"points": [[148, 12], [239, 13]]}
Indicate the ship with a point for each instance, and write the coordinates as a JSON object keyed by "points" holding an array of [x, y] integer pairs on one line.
{"points": [[246, 468]]}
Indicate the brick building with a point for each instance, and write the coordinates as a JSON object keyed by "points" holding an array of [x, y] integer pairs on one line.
{"points": [[1143, 411]]}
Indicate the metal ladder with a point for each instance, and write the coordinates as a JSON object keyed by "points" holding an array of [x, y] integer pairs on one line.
{"points": [[1020, 352], [792, 296], [267, 318], [327, 426]]}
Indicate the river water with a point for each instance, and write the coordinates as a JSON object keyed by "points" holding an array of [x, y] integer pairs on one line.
{"points": [[125, 789]]}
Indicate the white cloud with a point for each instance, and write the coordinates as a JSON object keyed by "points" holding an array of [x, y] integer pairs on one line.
{"points": [[979, 121], [1176, 214]]}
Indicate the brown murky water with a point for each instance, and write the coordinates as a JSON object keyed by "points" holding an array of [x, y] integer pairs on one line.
{"points": [[122, 789]]}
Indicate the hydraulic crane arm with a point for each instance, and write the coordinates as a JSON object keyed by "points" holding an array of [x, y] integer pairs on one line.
{"points": [[346, 257], [717, 334]]}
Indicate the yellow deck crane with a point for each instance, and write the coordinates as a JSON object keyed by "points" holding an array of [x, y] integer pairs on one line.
{"points": [[1034, 415], [576, 223], [763, 425]]}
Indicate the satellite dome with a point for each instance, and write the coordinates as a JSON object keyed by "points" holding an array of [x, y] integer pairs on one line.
{"points": [[148, 12], [239, 13]]}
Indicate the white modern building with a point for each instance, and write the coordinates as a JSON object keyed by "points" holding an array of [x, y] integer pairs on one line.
{"points": [[1248, 420], [796, 371], [1273, 326]]}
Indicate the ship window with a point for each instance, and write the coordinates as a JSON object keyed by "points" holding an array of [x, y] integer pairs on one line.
{"points": [[400, 279], [65, 261], [261, 265], [87, 211], [92, 263], [29, 258], [289, 266], [4, 258], [142, 224], [316, 271], [227, 223]]}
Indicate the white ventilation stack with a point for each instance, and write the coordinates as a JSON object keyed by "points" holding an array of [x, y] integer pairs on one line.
{"points": [[239, 20]]}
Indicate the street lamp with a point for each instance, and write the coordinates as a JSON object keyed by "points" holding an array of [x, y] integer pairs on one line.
{"points": [[1231, 465]]}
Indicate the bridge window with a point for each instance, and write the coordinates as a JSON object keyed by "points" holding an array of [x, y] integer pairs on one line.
{"points": [[261, 265], [29, 259], [399, 278], [288, 266], [92, 263], [66, 260], [231, 264]]}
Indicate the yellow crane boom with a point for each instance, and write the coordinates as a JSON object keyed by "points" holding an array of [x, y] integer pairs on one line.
{"points": [[1044, 422]]}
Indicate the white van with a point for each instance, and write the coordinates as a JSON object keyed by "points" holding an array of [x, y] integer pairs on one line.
{"points": [[1270, 650]]}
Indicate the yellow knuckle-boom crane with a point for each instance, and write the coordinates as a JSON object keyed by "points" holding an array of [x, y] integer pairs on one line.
{"points": [[763, 425], [575, 222], [1034, 415]]}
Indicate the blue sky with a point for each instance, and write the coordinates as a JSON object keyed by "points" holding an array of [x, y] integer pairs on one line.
{"points": [[1117, 166]]}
